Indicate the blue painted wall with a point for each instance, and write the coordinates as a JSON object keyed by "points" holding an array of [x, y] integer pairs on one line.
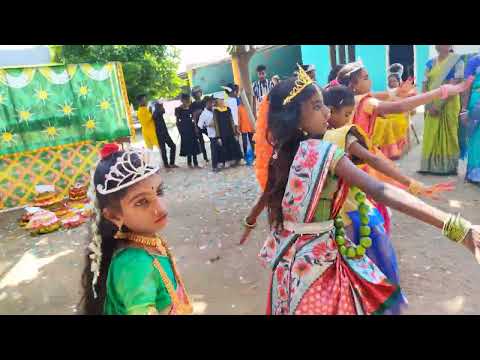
{"points": [[421, 58], [282, 61], [318, 55], [375, 60], [373, 56]]}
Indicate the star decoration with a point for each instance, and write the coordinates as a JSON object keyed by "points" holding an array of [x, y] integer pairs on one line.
{"points": [[7, 137], [84, 90], [51, 131], [25, 115], [90, 124], [67, 109], [41, 94], [104, 105]]}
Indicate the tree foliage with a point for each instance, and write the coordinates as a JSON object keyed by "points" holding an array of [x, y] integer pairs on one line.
{"points": [[148, 69]]}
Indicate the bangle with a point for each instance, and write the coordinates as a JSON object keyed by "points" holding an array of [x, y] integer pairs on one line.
{"points": [[250, 226], [456, 228], [415, 187], [443, 92]]}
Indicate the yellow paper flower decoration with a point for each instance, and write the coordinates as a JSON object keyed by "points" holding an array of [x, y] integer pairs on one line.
{"points": [[24, 115], [2, 98], [90, 124], [51, 131], [7, 137], [84, 90], [42, 94], [67, 109], [104, 105]]}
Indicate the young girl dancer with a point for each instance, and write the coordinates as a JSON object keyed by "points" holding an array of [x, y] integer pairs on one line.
{"points": [[129, 268]]}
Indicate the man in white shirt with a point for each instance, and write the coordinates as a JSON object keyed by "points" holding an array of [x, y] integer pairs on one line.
{"points": [[206, 120]]}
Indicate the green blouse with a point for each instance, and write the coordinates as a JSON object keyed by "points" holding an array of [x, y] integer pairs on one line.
{"points": [[324, 207], [134, 284]]}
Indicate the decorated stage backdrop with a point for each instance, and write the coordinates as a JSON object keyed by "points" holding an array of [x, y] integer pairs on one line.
{"points": [[53, 119]]}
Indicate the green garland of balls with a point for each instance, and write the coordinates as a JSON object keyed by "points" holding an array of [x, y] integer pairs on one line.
{"points": [[355, 251]]}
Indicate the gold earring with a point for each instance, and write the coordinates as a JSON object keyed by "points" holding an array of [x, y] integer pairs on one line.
{"points": [[120, 234]]}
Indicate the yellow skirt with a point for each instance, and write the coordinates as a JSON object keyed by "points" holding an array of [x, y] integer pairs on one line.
{"points": [[390, 134]]}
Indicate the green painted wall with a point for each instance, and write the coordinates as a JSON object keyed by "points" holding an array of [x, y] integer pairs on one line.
{"points": [[211, 77], [279, 61]]}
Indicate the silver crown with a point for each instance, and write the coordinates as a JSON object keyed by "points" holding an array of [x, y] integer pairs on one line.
{"points": [[355, 66], [125, 169]]}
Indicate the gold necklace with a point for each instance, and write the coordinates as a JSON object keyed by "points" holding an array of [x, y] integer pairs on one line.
{"points": [[159, 243], [155, 242]]}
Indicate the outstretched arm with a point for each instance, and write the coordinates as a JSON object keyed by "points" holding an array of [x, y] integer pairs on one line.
{"points": [[378, 163], [410, 103], [400, 200], [383, 96], [390, 195]]}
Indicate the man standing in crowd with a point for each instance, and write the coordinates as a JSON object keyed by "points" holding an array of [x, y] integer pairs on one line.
{"points": [[261, 87], [163, 136], [197, 107], [206, 121]]}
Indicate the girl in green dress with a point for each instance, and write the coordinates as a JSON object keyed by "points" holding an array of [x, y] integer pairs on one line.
{"points": [[129, 269]]}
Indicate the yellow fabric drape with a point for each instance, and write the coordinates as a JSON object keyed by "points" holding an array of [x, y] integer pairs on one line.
{"points": [[148, 127]]}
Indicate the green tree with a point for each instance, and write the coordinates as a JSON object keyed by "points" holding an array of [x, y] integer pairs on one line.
{"points": [[148, 69], [55, 53]]}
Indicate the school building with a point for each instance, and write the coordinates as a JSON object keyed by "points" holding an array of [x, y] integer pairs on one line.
{"points": [[282, 59]]}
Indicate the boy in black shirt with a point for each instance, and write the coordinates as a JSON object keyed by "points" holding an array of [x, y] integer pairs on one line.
{"points": [[163, 136], [197, 107]]}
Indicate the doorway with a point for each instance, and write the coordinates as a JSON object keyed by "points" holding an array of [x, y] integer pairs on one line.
{"points": [[405, 55], [341, 54]]}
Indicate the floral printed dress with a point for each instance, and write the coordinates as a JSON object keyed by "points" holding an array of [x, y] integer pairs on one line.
{"points": [[309, 276]]}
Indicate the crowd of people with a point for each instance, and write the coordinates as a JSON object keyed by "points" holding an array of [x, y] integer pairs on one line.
{"points": [[207, 116], [222, 117], [326, 185]]}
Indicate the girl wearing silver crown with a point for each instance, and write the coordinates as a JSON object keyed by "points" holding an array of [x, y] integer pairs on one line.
{"points": [[130, 269], [316, 269]]}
